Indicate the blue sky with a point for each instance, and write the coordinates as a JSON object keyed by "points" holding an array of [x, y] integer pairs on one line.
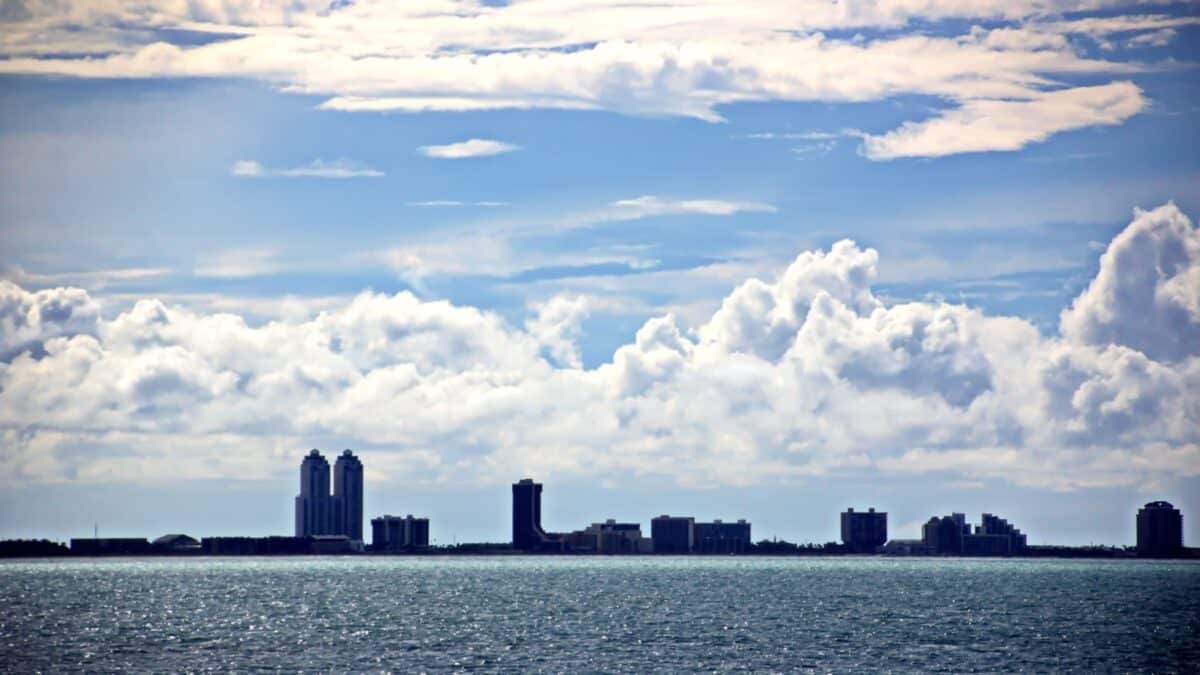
{"points": [[258, 180]]}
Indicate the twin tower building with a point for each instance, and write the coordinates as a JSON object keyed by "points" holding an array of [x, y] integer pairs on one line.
{"points": [[320, 513]]}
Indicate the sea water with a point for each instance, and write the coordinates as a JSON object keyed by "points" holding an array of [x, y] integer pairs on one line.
{"points": [[588, 614]]}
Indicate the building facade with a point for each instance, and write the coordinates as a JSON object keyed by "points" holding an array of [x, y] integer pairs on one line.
{"points": [[673, 534], [348, 496], [1159, 530], [864, 532]]}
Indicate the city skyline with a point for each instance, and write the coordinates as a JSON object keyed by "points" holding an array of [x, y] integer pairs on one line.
{"points": [[934, 257]]}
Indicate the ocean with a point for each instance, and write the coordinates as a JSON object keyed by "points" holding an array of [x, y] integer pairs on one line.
{"points": [[594, 614]]}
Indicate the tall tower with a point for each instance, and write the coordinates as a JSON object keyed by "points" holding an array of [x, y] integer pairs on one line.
{"points": [[348, 495], [527, 533], [1159, 530], [314, 508]]}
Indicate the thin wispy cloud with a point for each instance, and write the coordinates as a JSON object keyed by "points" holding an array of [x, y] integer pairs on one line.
{"points": [[318, 168], [450, 203], [651, 205], [475, 147], [238, 264]]}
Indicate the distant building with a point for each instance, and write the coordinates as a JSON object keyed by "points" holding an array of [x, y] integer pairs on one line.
{"points": [[111, 546], [348, 496], [333, 543], [672, 534], [314, 507], [864, 532], [1159, 530], [994, 536], [609, 537], [256, 545], [394, 534], [527, 532], [906, 547], [720, 537], [176, 543]]}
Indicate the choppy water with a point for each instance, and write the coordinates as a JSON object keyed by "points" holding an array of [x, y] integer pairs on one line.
{"points": [[599, 614]]}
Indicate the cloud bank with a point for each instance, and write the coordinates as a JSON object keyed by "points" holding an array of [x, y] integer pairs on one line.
{"points": [[807, 374], [681, 58]]}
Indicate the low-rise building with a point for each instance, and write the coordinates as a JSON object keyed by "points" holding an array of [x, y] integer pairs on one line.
{"points": [[111, 546], [394, 533]]}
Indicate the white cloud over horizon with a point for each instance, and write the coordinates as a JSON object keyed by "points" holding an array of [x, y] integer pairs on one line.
{"points": [[679, 59], [809, 373]]}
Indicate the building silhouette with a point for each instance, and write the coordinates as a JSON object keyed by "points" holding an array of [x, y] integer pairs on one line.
{"points": [[319, 513], [864, 532], [720, 537], [348, 496], [610, 538], [951, 535], [527, 532], [314, 506], [673, 534], [394, 534], [1159, 530]]}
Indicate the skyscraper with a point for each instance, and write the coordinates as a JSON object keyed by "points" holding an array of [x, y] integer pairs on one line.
{"points": [[1159, 530], [527, 532], [314, 508], [348, 496]]}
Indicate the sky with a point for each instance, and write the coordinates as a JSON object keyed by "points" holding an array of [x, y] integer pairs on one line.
{"points": [[762, 260]]}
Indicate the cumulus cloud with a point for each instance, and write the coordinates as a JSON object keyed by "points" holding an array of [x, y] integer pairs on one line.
{"points": [[28, 319], [1146, 295], [803, 373], [475, 147], [680, 59], [318, 168]]}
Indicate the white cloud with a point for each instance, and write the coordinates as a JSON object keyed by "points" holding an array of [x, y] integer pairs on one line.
{"points": [[652, 205], [318, 168], [475, 147], [238, 263], [1146, 295], [805, 373], [679, 59], [996, 125]]}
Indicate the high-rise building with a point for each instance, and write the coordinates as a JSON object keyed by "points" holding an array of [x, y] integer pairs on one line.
{"points": [[1159, 530], [348, 496], [314, 508], [864, 532], [393, 533], [527, 532], [672, 534]]}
